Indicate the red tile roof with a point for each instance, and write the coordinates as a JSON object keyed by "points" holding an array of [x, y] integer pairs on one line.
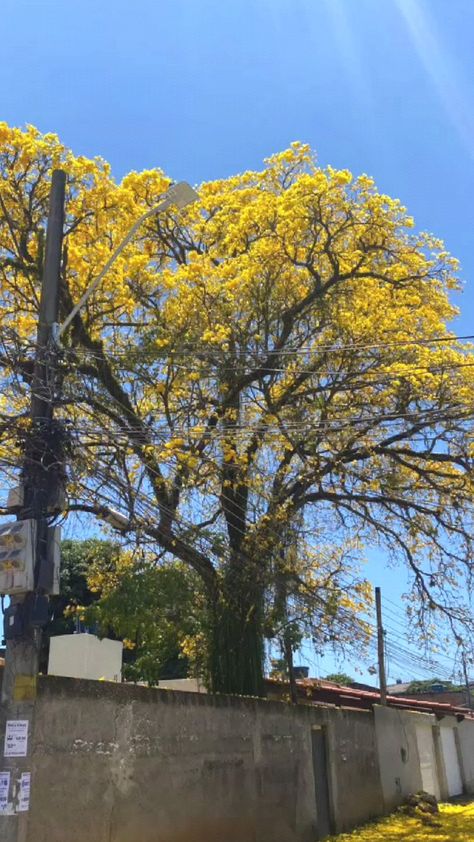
{"points": [[326, 693]]}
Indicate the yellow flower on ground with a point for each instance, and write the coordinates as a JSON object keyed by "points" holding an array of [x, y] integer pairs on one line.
{"points": [[455, 823]]}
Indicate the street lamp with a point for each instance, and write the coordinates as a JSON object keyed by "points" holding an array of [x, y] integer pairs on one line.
{"points": [[180, 194]]}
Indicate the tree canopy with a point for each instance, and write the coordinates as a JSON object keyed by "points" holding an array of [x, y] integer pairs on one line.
{"points": [[340, 678], [77, 559], [264, 383], [433, 685], [157, 611]]}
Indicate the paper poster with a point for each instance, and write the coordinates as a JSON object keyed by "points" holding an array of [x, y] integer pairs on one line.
{"points": [[4, 787], [16, 738], [24, 796]]}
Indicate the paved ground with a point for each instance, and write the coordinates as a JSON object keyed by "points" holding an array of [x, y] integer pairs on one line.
{"points": [[455, 823]]}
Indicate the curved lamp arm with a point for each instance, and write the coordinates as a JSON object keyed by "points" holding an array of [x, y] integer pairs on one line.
{"points": [[180, 194]]}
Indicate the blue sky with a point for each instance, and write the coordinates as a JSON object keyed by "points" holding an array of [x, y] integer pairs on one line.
{"points": [[207, 88]]}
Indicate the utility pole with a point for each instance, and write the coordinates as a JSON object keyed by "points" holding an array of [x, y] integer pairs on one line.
{"points": [[381, 648], [42, 469], [466, 679]]}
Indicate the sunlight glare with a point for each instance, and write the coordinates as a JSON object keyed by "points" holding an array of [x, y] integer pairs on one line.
{"points": [[343, 29], [440, 68]]}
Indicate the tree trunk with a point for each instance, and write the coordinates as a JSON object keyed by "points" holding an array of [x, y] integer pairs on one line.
{"points": [[288, 655], [237, 649]]}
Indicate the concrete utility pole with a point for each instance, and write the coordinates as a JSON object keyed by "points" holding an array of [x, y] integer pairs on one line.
{"points": [[381, 648], [42, 468], [43, 471]]}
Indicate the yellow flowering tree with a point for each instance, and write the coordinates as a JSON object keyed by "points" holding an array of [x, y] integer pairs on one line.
{"points": [[276, 354]]}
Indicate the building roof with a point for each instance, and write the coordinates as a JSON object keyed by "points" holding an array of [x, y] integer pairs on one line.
{"points": [[398, 689], [318, 691], [401, 688]]}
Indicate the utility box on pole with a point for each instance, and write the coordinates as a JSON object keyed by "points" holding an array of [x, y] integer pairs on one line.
{"points": [[17, 559], [17, 551]]}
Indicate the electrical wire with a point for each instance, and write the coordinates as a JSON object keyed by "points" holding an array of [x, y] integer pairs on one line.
{"points": [[200, 347], [453, 367], [410, 658]]}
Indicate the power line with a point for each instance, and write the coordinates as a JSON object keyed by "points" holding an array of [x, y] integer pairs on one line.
{"points": [[200, 347], [364, 420], [410, 658]]}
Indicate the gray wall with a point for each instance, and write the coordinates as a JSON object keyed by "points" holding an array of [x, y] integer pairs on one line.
{"points": [[355, 784], [466, 745], [399, 759], [114, 763], [398, 753]]}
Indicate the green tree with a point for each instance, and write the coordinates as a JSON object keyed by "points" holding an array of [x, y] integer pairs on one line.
{"points": [[427, 685], [112, 592], [77, 559], [340, 678], [158, 611]]}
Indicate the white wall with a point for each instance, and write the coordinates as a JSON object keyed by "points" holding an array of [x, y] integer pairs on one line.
{"points": [[427, 755], [397, 747], [188, 685], [85, 656], [466, 744], [453, 783]]}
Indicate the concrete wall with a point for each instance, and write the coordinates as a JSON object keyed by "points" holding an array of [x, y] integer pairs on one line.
{"points": [[399, 754], [466, 744], [115, 763], [355, 785], [400, 771]]}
